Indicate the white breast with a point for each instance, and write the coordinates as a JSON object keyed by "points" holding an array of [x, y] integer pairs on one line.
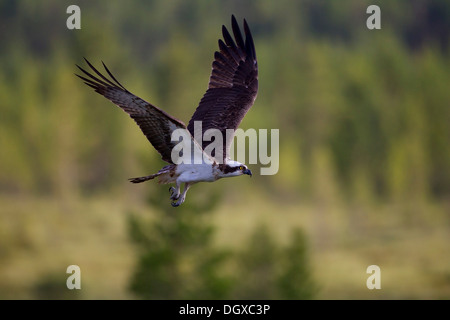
{"points": [[195, 173]]}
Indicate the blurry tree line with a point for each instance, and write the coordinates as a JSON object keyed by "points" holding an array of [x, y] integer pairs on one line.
{"points": [[178, 260]]}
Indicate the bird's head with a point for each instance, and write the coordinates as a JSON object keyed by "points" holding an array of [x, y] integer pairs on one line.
{"points": [[233, 169]]}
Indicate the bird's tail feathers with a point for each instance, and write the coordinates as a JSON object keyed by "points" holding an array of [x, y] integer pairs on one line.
{"points": [[143, 179], [166, 173]]}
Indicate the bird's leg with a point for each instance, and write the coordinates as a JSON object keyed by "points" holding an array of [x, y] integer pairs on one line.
{"points": [[182, 197], [175, 192]]}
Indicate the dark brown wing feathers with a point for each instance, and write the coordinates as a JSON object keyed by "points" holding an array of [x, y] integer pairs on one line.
{"points": [[232, 89], [156, 124], [233, 84]]}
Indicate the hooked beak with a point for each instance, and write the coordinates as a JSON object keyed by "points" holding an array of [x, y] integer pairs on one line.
{"points": [[248, 171]]}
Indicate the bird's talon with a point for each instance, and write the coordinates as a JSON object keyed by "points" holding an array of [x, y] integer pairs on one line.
{"points": [[173, 194], [174, 204]]}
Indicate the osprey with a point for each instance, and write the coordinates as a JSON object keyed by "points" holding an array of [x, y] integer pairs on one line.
{"points": [[231, 92]]}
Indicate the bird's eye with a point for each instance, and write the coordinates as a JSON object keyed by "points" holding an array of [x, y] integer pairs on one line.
{"points": [[241, 168]]}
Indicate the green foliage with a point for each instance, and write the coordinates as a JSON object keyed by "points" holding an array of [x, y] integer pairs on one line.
{"points": [[257, 265], [295, 280], [176, 256], [176, 260], [267, 270]]}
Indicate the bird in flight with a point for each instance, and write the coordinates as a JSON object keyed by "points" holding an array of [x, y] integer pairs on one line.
{"points": [[231, 92]]}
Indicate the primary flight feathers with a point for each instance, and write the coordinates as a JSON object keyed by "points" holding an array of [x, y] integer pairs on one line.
{"points": [[156, 124], [233, 85]]}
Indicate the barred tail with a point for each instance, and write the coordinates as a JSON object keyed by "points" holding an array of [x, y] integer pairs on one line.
{"points": [[167, 169], [142, 179]]}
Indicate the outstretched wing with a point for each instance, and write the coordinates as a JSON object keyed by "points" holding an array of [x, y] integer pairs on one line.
{"points": [[232, 88], [156, 124]]}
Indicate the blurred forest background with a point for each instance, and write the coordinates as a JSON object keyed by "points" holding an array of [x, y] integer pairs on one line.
{"points": [[364, 173]]}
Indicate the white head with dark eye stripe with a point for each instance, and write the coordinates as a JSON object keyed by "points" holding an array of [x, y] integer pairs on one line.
{"points": [[233, 169]]}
